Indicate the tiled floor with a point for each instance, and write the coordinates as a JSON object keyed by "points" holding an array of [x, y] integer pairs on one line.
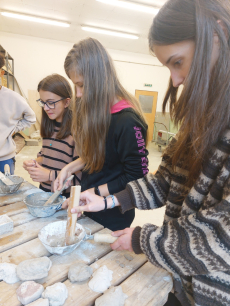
{"points": [[142, 217]]}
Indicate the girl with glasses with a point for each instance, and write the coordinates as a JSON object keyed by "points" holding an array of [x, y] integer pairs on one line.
{"points": [[108, 127], [58, 148], [192, 39]]}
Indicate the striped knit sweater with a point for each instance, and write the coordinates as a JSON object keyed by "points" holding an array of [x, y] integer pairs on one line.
{"points": [[194, 242], [57, 153]]}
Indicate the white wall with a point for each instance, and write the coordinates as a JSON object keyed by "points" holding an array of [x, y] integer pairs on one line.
{"points": [[36, 58]]}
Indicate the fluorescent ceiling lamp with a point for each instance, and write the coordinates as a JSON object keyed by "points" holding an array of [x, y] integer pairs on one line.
{"points": [[132, 6], [109, 32], [36, 19]]}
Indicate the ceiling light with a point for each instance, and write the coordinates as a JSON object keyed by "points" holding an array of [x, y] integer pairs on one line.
{"points": [[36, 19], [109, 32], [132, 6]]}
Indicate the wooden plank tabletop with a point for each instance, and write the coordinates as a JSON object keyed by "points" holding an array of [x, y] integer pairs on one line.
{"points": [[143, 283]]}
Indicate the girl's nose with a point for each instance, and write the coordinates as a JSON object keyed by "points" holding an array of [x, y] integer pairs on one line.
{"points": [[177, 80], [46, 107]]}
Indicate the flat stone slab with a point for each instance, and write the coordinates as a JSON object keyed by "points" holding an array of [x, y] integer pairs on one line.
{"points": [[6, 224]]}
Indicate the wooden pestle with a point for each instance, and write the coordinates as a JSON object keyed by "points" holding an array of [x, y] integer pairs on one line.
{"points": [[72, 218]]}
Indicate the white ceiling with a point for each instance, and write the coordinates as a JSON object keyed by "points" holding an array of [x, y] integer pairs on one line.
{"points": [[78, 12]]}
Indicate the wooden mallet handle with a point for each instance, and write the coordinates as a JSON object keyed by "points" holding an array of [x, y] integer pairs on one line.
{"points": [[72, 218], [107, 238]]}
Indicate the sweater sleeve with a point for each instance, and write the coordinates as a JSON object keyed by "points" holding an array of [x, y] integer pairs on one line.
{"points": [[131, 148], [149, 192], [26, 116], [197, 244]]}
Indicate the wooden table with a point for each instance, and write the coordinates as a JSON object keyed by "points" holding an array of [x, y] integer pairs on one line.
{"points": [[141, 281]]}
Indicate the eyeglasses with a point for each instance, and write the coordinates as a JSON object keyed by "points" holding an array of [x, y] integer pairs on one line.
{"points": [[48, 104]]}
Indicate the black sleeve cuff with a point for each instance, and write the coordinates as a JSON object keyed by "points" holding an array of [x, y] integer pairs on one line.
{"points": [[136, 240]]}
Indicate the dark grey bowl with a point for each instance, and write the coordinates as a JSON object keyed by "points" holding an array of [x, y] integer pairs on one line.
{"points": [[35, 203]]}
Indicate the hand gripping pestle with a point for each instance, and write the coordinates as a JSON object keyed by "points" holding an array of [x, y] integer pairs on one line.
{"points": [[58, 192]]}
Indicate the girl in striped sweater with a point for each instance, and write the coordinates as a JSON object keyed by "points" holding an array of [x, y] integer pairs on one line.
{"points": [[192, 39], [58, 148]]}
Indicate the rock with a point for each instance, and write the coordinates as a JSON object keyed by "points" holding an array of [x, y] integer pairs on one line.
{"points": [[79, 272], [39, 302], [29, 292], [33, 269], [128, 257], [6, 224], [101, 279], [56, 294], [8, 273], [112, 297]]}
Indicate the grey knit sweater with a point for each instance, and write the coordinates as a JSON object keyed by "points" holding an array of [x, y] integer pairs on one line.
{"points": [[194, 242]]}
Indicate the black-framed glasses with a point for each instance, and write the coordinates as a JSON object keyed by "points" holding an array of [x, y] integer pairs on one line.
{"points": [[50, 104]]}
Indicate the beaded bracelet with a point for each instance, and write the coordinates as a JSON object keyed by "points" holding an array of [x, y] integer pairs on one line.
{"points": [[113, 199]]}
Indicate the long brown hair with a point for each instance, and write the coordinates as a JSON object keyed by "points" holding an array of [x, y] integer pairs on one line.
{"points": [[58, 85], [203, 108], [91, 113]]}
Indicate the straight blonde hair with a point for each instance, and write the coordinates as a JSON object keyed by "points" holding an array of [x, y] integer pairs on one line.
{"points": [[91, 112]]}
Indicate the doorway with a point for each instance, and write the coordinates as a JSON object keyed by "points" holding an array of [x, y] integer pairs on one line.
{"points": [[148, 101]]}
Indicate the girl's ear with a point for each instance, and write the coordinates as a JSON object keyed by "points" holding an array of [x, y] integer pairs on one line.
{"points": [[67, 102]]}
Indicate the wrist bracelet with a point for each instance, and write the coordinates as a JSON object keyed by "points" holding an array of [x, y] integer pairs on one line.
{"points": [[105, 203], [97, 191], [113, 199]]}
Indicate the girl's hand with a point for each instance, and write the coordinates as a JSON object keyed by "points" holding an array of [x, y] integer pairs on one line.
{"points": [[65, 205], [39, 173], [124, 242], [89, 202], [29, 163], [63, 175]]}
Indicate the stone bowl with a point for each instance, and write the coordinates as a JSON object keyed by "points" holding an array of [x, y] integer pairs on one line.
{"points": [[17, 180], [52, 236], [35, 203]]}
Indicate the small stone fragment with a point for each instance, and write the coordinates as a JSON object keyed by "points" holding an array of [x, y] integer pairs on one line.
{"points": [[56, 294], [101, 279], [121, 265], [79, 272], [33, 269], [112, 297], [6, 224], [39, 302], [8, 273], [128, 257], [29, 292]]}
